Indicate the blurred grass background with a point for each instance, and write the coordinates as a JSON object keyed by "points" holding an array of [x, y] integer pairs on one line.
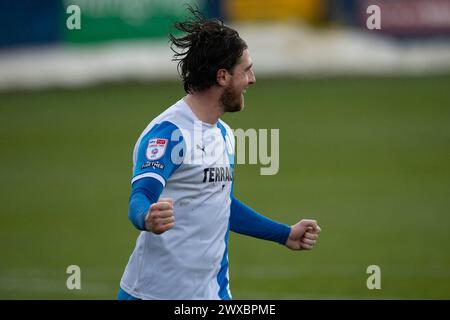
{"points": [[369, 158]]}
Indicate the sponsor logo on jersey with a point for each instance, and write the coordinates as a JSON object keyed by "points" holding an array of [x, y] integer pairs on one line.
{"points": [[216, 174], [153, 164], [156, 148]]}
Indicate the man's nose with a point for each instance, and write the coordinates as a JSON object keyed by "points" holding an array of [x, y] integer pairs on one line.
{"points": [[252, 78]]}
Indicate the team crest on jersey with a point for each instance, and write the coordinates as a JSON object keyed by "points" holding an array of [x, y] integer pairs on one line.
{"points": [[156, 148]]}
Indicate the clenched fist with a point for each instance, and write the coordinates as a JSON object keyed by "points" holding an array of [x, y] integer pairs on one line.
{"points": [[160, 217], [303, 235]]}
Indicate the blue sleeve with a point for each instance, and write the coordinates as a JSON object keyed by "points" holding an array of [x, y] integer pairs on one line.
{"points": [[159, 153], [144, 193], [245, 220]]}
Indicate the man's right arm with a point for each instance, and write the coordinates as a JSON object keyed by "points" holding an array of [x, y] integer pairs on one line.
{"points": [[144, 193], [154, 164]]}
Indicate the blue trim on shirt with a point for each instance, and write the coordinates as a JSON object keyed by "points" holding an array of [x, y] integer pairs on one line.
{"points": [[222, 278]]}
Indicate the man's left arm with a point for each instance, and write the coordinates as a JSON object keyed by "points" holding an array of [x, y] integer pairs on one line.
{"points": [[245, 220]]}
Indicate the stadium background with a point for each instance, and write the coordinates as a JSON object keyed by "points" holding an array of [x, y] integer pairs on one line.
{"points": [[364, 119]]}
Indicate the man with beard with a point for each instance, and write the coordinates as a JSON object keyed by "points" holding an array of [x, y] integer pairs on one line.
{"points": [[182, 186]]}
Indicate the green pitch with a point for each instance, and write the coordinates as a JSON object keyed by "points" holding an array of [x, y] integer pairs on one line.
{"points": [[368, 158]]}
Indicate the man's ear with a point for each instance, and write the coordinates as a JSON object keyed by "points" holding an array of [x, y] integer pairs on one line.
{"points": [[223, 77]]}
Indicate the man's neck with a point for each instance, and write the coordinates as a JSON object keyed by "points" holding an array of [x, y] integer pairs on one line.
{"points": [[205, 105]]}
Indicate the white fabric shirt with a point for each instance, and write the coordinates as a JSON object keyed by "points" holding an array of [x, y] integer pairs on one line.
{"points": [[189, 261]]}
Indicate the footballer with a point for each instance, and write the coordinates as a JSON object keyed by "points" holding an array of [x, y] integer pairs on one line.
{"points": [[183, 173]]}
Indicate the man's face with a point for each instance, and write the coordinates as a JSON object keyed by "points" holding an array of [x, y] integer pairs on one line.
{"points": [[242, 77]]}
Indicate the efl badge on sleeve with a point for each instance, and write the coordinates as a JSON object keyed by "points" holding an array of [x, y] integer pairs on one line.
{"points": [[156, 148]]}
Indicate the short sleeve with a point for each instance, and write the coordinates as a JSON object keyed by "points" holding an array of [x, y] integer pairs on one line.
{"points": [[160, 153]]}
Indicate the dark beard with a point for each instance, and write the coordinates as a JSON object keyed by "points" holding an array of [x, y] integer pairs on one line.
{"points": [[231, 100]]}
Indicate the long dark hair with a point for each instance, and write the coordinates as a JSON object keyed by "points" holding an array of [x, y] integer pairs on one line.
{"points": [[206, 46]]}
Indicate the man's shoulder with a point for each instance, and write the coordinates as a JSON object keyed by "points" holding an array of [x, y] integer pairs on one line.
{"points": [[172, 117], [170, 114], [175, 114]]}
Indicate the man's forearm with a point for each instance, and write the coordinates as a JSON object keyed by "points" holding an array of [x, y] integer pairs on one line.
{"points": [[245, 220], [144, 193]]}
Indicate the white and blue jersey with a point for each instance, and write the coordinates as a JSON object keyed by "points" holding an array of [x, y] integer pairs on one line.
{"points": [[177, 156]]}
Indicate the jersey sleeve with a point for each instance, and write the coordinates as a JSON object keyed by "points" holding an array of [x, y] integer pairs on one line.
{"points": [[159, 153]]}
